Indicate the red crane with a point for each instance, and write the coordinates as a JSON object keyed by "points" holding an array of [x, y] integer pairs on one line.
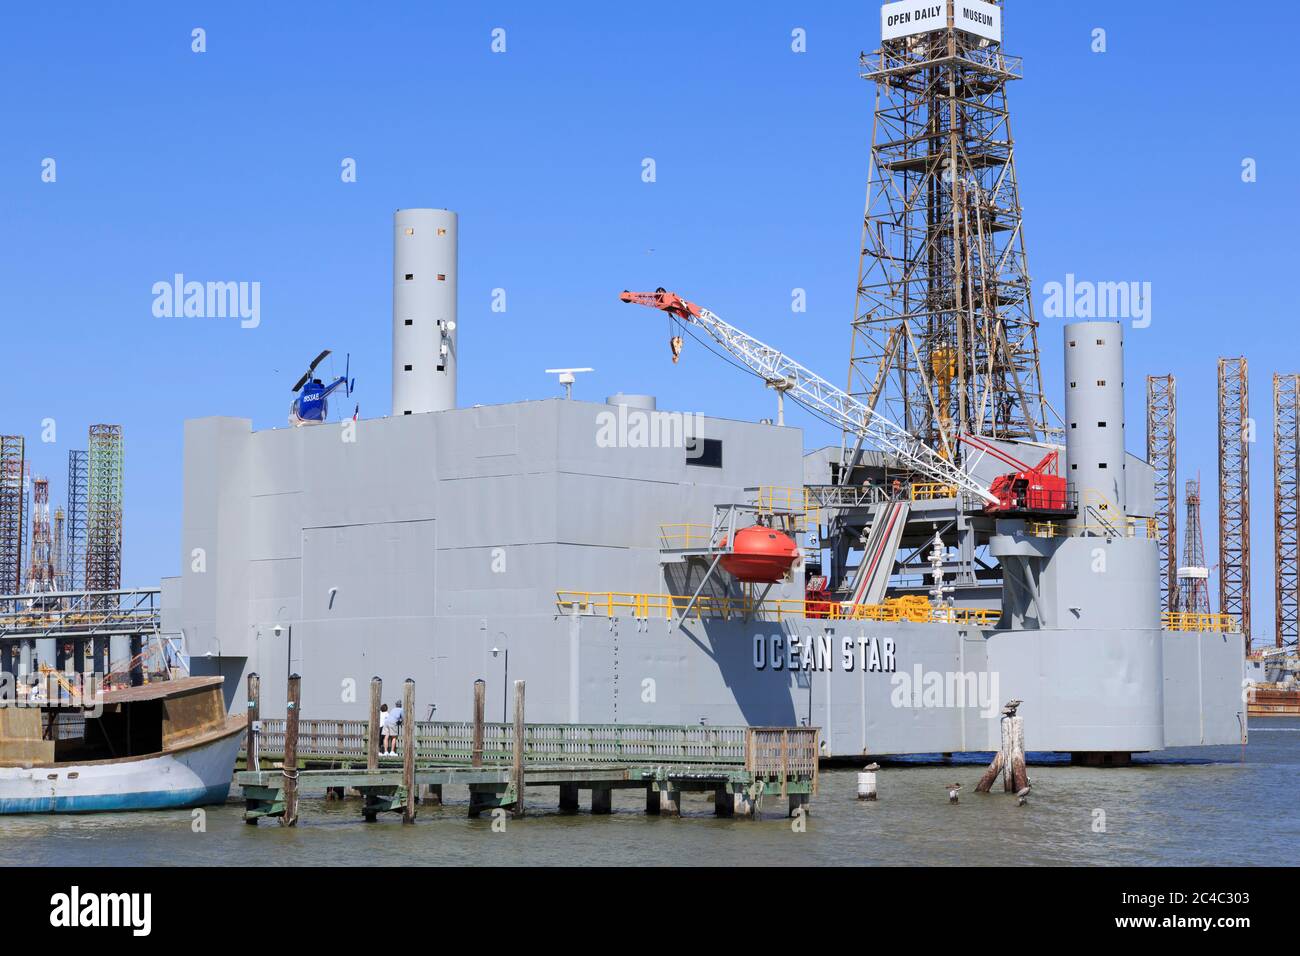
{"points": [[1036, 489]]}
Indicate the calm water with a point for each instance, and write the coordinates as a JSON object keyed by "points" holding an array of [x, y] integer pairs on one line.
{"points": [[1191, 807]]}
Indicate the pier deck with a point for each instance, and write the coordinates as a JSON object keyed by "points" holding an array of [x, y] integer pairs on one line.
{"points": [[498, 763]]}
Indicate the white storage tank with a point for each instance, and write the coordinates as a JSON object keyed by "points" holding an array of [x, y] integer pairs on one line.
{"points": [[424, 311], [1094, 419]]}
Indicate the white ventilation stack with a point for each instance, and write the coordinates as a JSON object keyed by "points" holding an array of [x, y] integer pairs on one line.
{"points": [[1094, 414], [424, 311]]}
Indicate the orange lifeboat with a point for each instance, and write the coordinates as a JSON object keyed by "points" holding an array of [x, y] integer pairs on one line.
{"points": [[761, 555]]}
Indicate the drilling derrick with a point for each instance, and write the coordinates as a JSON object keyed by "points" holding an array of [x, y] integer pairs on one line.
{"points": [[1193, 575], [1234, 493], [944, 333], [1162, 455], [1286, 507], [11, 513], [75, 552], [104, 517], [40, 564], [56, 552]]}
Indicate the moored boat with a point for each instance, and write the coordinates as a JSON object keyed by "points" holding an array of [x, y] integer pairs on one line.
{"points": [[157, 746]]}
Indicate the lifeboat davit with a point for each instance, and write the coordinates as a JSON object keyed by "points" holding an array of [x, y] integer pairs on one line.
{"points": [[761, 555]]}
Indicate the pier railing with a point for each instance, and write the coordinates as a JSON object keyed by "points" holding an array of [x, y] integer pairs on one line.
{"points": [[765, 751]]}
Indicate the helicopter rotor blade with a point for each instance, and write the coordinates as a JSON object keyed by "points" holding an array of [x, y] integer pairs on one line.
{"points": [[316, 361]]}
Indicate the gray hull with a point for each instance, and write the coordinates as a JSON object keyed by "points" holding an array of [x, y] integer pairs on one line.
{"points": [[893, 689]]}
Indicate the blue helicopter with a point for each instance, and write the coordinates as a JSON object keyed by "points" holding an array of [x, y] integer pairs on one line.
{"points": [[311, 407]]}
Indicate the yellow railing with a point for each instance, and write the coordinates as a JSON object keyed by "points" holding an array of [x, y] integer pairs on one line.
{"points": [[684, 536], [932, 491], [667, 606], [1189, 621], [773, 499], [1128, 528]]}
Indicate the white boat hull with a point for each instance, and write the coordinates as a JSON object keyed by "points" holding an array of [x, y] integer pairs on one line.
{"points": [[190, 777]]}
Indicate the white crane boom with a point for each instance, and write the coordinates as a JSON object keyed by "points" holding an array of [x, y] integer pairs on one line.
{"points": [[845, 411]]}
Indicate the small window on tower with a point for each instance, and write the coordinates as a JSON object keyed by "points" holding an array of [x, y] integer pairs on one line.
{"points": [[1074, 467], [441, 277], [1101, 383], [410, 231], [1074, 424], [1072, 384], [1073, 344], [1101, 464], [410, 322], [406, 368], [410, 276], [441, 231], [1101, 341], [1101, 424], [407, 412]]}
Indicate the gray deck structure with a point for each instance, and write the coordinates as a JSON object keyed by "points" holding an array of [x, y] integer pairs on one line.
{"points": [[432, 546]]}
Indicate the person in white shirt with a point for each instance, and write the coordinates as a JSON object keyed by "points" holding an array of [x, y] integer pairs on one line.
{"points": [[386, 739]]}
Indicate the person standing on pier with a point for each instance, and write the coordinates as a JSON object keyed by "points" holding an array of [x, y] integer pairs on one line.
{"points": [[387, 742], [395, 724]]}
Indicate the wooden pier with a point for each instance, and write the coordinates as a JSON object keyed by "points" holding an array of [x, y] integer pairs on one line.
{"points": [[499, 763]]}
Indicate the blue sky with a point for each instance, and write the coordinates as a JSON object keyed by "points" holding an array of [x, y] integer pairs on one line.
{"points": [[225, 165]]}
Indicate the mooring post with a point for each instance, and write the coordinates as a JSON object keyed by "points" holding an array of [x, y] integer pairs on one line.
{"points": [[254, 722], [670, 800], [1019, 776], [372, 728], [408, 749], [480, 690], [517, 758], [290, 769], [1007, 746], [867, 782]]}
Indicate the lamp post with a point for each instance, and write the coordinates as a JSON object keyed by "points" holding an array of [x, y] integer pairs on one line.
{"points": [[288, 660], [505, 682]]}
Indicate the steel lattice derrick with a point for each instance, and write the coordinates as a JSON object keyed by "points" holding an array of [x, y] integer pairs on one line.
{"points": [[1286, 507], [12, 465], [1234, 493], [75, 553], [104, 515], [1194, 589], [1162, 456], [943, 329]]}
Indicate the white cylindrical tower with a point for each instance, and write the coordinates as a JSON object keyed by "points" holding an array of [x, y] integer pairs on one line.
{"points": [[424, 311], [1094, 419]]}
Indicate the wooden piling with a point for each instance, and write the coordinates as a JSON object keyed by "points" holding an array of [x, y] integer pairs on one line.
{"points": [[476, 756], [254, 721], [723, 803], [372, 729], [517, 757], [293, 707], [602, 800], [652, 801], [1019, 776], [408, 749]]}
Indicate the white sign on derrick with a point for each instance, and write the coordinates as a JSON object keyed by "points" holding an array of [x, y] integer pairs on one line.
{"points": [[907, 18]]}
